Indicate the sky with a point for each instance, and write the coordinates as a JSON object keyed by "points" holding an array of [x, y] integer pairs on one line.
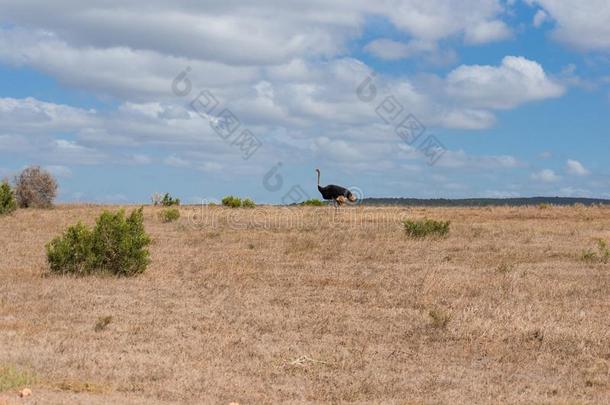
{"points": [[201, 99]]}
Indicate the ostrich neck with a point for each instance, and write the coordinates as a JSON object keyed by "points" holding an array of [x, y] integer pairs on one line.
{"points": [[318, 178]]}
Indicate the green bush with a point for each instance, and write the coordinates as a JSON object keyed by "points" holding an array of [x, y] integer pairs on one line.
{"points": [[119, 243], [231, 202], [423, 228], [7, 199], [236, 202], [314, 202], [72, 252], [169, 214], [248, 203], [116, 245], [168, 201]]}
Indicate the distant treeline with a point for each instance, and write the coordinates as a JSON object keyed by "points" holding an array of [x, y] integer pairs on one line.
{"points": [[483, 202]]}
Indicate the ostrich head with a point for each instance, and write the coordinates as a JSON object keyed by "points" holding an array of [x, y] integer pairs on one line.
{"points": [[351, 196]]}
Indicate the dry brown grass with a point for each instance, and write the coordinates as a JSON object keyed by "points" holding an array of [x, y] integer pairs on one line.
{"points": [[327, 309]]}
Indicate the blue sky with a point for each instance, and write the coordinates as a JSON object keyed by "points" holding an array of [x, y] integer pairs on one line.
{"points": [[517, 92]]}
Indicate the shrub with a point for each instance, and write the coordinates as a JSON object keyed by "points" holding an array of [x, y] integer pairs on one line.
{"points": [[236, 202], [248, 203], [439, 318], [35, 188], [231, 202], [601, 256], [116, 245], [422, 228], [72, 252], [314, 202], [168, 201], [169, 214], [7, 199], [119, 243]]}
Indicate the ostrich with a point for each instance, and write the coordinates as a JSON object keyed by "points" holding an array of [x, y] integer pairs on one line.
{"points": [[335, 193]]}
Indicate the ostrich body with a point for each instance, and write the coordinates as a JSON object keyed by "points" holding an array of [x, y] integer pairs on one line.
{"points": [[338, 194]]}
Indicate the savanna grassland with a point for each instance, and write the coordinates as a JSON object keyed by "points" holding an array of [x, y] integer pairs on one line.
{"points": [[272, 305]]}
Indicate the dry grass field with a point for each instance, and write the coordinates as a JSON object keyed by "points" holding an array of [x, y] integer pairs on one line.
{"points": [[304, 305]]}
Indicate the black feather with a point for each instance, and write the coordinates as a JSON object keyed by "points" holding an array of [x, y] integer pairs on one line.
{"points": [[332, 192]]}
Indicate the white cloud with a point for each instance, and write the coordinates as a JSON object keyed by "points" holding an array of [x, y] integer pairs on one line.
{"points": [[517, 81], [31, 115], [460, 159], [575, 192], [139, 159], [583, 24], [176, 161], [539, 18], [211, 167], [393, 50], [286, 111], [273, 32], [487, 31], [126, 73], [468, 119], [546, 176], [281, 67], [576, 168], [437, 19]]}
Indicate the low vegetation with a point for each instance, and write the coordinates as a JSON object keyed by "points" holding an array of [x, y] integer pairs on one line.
{"points": [[248, 203], [169, 201], [7, 199], [231, 201], [116, 245], [13, 378], [423, 228], [165, 200], [35, 188], [102, 323], [236, 202], [439, 318], [313, 202], [505, 268], [600, 255], [331, 307], [169, 214]]}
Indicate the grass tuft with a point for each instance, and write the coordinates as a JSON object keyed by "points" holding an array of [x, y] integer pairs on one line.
{"points": [[423, 228], [12, 378], [602, 255], [313, 202], [169, 215], [505, 268], [440, 319], [102, 323]]}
